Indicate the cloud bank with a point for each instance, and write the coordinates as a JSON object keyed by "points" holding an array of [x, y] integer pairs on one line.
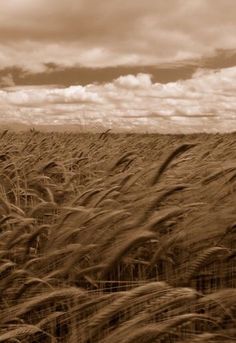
{"points": [[206, 102], [110, 33]]}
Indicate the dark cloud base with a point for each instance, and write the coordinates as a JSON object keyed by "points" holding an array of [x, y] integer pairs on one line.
{"points": [[83, 76], [58, 75]]}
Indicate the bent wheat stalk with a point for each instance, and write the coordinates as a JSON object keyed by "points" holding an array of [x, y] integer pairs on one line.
{"points": [[179, 150]]}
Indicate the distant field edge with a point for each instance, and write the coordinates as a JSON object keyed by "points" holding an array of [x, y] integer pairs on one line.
{"points": [[21, 127]]}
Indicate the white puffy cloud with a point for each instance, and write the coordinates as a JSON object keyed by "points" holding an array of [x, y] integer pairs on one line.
{"points": [[206, 102], [132, 81], [39, 96]]}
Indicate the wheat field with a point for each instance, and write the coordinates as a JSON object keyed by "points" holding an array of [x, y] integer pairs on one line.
{"points": [[117, 238]]}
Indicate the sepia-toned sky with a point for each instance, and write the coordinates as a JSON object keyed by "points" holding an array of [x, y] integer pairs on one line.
{"points": [[167, 66]]}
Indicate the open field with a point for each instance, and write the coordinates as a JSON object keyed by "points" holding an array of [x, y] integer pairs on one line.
{"points": [[116, 238]]}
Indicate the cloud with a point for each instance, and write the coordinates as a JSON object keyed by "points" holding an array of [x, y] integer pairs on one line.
{"points": [[39, 96], [111, 33], [206, 102], [54, 74], [133, 82]]}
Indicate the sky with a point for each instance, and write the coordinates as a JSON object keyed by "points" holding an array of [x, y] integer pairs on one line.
{"points": [[163, 66]]}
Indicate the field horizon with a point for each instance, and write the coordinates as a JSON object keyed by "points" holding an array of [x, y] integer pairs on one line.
{"points": [[98, 129]]}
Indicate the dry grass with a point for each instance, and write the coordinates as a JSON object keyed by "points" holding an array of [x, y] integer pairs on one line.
{"points": [[117, 238]]}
